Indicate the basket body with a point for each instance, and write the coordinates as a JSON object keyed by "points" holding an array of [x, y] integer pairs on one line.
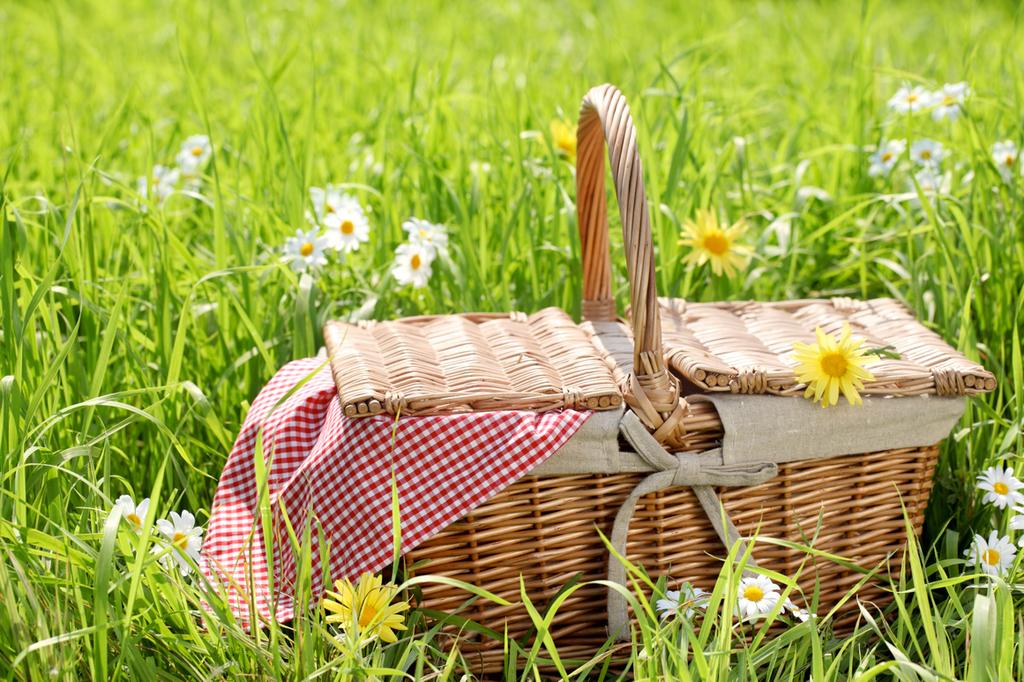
{"points": [[545, 529]]}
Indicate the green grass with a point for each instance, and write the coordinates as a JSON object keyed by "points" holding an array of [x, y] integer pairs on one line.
{"points": [[133, 340]]}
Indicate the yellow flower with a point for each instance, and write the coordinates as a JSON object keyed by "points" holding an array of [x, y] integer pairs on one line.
{"points": [[367, 607], [830, 366], [564, 137], [709, 241]]}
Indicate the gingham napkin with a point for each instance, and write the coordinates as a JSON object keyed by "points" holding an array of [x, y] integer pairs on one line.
{"points": [[335, 472]]}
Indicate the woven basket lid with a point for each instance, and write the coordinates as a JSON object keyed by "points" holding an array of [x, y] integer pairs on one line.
{"points": [[462, 363], [746, 347]]}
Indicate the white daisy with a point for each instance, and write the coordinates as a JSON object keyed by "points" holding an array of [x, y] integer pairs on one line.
{"points": [[1017, 522], [994, 555], [886, 156], [757, 596], [687, 600], [346, 224], [184, 540], [927, 153], [132, 513], [305, 250], [195, 152], [802, 615], [433, 238], [739, 143], [412, 265], [159, 184], [1004, 154], [1001, 487], [910, 99], [326, 200], [931, 184], [948, 101]]}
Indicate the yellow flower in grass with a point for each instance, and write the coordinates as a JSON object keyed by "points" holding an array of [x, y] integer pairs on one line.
{"points": [[830, 366], [710, 242], [367, 607], [564, 137]]}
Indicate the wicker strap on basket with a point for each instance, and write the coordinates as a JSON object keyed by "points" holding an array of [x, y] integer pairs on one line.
{"points": [[701, 474], [650, 389]]}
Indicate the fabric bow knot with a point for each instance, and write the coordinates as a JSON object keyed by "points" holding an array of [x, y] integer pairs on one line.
{"points": [[699, 471]]}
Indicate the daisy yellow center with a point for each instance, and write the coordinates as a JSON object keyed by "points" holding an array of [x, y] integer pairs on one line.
{"points": [[306, 249], [329, 207], [197, 151], [424, 234], [887, 156], [367, 613], [415, 262], [347, 227], [926, 155], [911, 98], [753, 593], [1010, 158], [1001, 488], [180, 540], [716, 243], [948, 100], [990, 557], [134, 519], [834, 364]]}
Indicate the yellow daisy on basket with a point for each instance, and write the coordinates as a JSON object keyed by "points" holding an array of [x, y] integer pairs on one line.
{"points": [[710, 242], [366, 607], [564, 137], [830, 366]]}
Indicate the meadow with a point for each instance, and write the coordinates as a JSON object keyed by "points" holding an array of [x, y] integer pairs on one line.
{"points": [[139, 319]]}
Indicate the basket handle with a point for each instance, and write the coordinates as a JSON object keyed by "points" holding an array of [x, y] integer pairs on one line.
{"points": [[652, 392]]}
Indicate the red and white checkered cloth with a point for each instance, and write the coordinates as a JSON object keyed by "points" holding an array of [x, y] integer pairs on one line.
{"points": [[335, 472]]}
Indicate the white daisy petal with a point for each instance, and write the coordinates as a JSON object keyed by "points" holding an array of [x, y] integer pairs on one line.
{"points": [[195, 152], [802, 615], [1004, 155], [948, 101], [305, 250], [412, 265], [927, 153], [327, 200], [931, 183], [886, 157], [1001, 487], [159, 185], [183, 541], [994, 556], [669, 606], [757, 596], [346, 223], [430, 236], [1017, 521], [910, 99], [134, 514], [685, 600]]}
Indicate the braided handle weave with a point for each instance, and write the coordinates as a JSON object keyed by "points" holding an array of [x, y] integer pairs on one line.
{"points": [[652, 392]]}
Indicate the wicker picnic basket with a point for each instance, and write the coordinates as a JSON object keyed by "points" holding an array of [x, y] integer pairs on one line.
{"points": [[670, 386]]}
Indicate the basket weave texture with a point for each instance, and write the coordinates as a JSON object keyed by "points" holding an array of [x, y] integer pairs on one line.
{"points": [[546, 530], [477, 362], [746, 347]]}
